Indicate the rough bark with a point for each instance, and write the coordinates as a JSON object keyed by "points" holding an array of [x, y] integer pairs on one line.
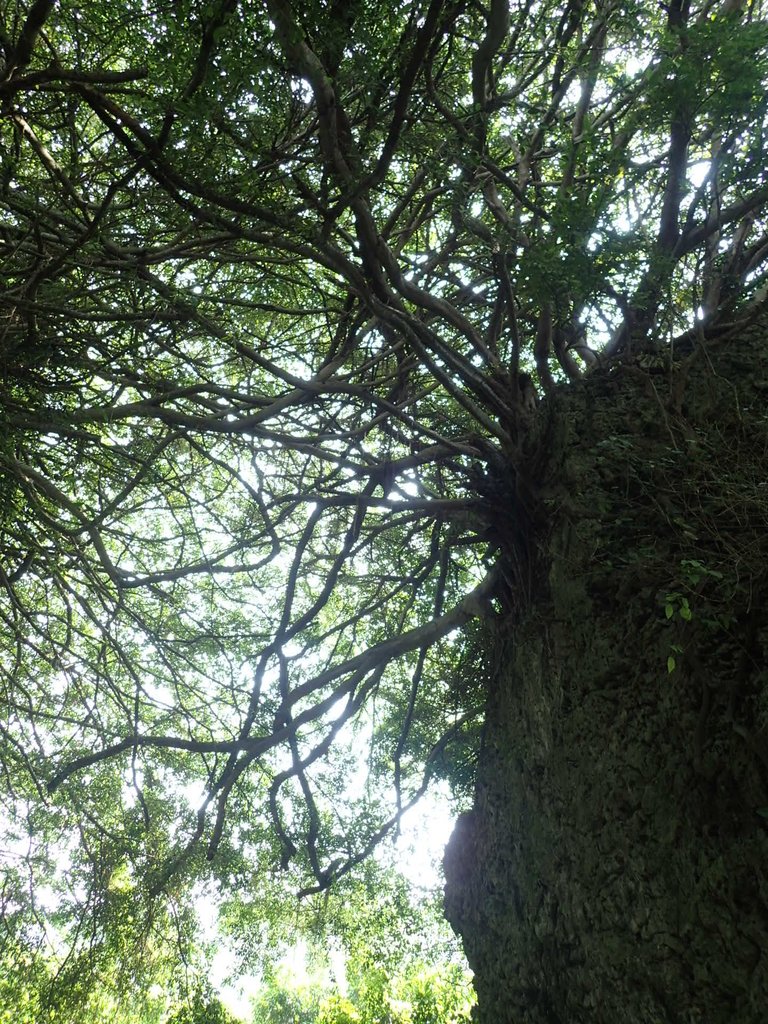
{"points": [[615, 865]]}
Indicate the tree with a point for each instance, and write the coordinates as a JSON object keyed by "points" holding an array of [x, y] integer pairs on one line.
{"points": [[330, 334], [396, 966]]}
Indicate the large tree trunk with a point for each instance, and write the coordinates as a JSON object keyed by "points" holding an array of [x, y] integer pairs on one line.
{"points": [[614, 869]]}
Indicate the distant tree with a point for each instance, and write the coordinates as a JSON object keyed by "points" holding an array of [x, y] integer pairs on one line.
{"points": [[331, 334], [371, 949]]}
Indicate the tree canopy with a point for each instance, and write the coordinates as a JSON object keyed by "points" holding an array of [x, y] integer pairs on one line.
{"points": [[281, 286]]}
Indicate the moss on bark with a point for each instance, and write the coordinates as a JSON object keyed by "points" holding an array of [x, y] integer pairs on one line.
{"points": [[615, 865]]}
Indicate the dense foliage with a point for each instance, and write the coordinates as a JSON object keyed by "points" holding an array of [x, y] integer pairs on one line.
{"points": [[281, 284], [373, 949]]}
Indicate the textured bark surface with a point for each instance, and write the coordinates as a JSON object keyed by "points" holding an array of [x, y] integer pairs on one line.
{"points": [[615, 865]]}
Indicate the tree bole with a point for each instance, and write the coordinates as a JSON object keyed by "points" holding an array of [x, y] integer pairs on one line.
{"points": [[615, 864]]}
